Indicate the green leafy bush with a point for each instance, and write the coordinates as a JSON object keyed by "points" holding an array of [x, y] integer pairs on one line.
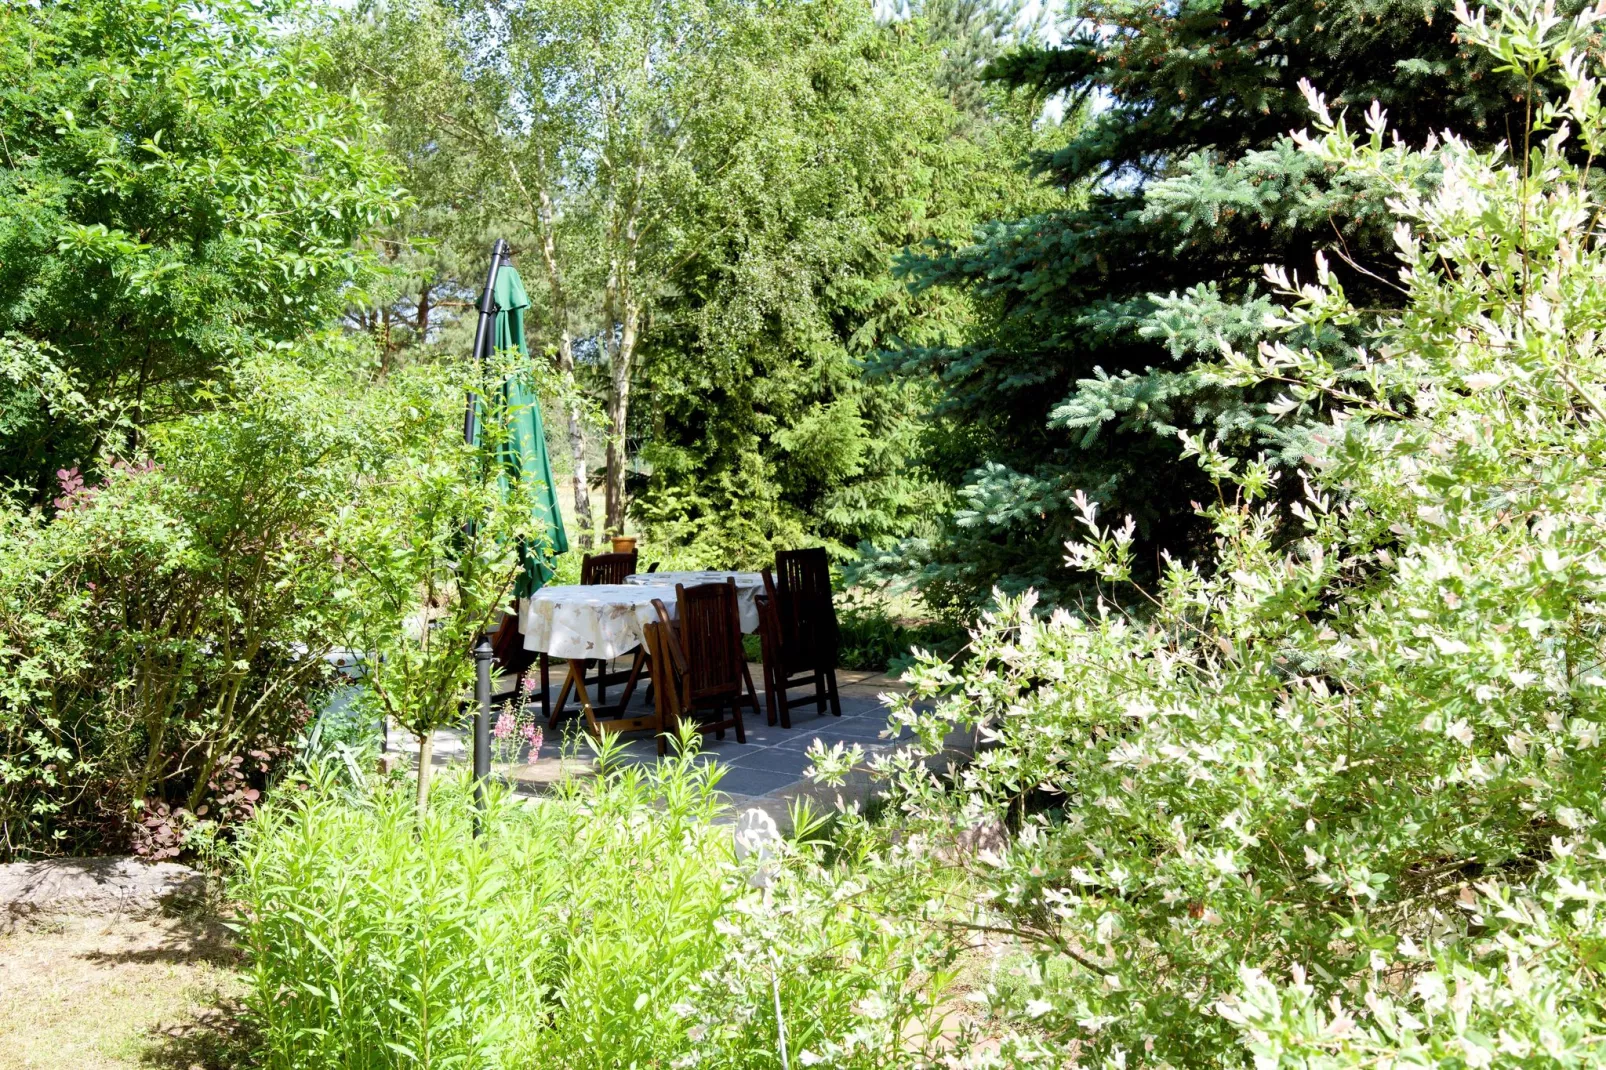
{"points": [[175, 193], [610, 925], [162, 635], [1336, 798], [430, 557], [873, 638]]}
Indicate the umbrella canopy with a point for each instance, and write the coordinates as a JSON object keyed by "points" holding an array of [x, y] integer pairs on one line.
{"points": [[523, 453]]}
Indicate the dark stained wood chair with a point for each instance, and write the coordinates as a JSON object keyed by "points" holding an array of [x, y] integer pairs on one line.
{"points": [[798, 634], [607, 568], [699, 664]]}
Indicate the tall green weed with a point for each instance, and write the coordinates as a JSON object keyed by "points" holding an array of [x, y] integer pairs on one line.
{"points": [[610, 925]]}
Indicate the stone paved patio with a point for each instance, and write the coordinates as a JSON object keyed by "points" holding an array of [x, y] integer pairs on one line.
{"points": [[766, 772]]}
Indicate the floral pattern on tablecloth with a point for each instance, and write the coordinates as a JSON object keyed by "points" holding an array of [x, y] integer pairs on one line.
{"points": [[749, 585], [602, 620]]}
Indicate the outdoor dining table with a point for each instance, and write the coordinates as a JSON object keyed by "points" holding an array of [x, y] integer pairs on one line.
{"points": [[580, 623], [602, 621]]}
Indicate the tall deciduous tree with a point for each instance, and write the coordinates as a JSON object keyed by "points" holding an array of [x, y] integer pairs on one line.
{"points": [[575, 116], [174, 192], [401, 56], [1096, 314]]}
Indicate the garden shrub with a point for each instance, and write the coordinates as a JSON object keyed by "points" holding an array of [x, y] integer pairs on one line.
{"points": [[162, 633], [610, 925], [1335, 798], [176, 192], [873, 638], [429, 560]]}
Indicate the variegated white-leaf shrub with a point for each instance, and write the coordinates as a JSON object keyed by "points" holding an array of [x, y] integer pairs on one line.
{"points": [[1335, 797]]}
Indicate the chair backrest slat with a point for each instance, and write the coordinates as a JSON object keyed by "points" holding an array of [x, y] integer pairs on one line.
{"points": [[710, 628], [802, 591], [607, 568]]}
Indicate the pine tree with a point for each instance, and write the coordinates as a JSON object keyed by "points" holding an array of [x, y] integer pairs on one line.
{"points": [[758, 422], [969, 35], [1099, 319]]}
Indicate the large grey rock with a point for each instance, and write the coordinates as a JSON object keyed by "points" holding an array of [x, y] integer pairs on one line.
{"points": [[71, 886]]}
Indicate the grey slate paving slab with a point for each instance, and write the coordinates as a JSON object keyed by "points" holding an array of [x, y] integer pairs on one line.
{"points": [[775, 760], [766, 772], [744, 780]]}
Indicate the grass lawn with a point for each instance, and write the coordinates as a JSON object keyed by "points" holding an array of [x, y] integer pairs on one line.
{"points": [[114, 993]]}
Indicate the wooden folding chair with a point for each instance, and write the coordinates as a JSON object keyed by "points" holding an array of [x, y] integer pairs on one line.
{"points": [[607, 568], [700, 666], [798, 634]]}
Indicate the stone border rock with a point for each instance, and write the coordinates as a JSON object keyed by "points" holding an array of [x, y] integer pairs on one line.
{"points": [[57, 887]]}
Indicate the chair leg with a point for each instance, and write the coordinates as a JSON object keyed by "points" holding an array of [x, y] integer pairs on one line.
{"points": [[819, 692], [836, 700], [769, 691], [736, 709], [752, 693], [602, 681], [635, 674]]}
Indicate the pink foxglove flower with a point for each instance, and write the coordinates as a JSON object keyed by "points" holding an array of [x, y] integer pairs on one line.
{"points": [[506, 726]]}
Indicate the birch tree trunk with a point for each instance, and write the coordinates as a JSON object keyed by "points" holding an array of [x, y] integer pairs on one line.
{"points": [[625, 298], [546, 216], [621, 368]]}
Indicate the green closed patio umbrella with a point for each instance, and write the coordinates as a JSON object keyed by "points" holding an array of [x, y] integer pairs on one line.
{"points": [[523, 457], [523, 454]]}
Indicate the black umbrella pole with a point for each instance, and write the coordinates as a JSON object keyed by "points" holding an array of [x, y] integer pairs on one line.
{"points": [[482, 649], [482, 331], [482, 724]]}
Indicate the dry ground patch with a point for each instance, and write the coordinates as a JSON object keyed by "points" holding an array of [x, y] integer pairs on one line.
{"points": [[113, 993]]}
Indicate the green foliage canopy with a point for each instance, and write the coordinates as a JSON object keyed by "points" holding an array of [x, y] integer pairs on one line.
{"points": [[836, 148], [174, 192]]}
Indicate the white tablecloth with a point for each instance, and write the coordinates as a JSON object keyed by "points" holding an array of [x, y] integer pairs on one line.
{"points": [[602, 620], [749, 585]]}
